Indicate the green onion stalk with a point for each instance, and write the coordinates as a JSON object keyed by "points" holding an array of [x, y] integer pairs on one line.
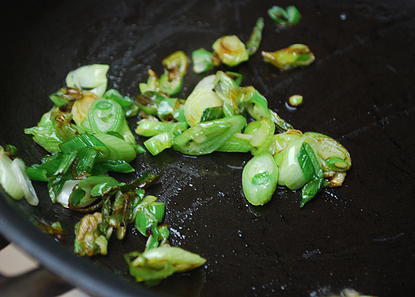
{"points": [[152, 84], [256, 36], [202, 60], [89, 241], [161, 262], [230, 50], [156, 104], [89, 77], [306, 160], [14, 179], [295, 100], [171, 81], [293, 56], [287, 16]]}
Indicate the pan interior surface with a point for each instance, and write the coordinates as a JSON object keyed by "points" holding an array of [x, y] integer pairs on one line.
{"points": [[360, 91]]}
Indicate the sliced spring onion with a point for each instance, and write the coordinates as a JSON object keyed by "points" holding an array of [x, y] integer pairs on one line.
{"points": [[259, 179], [65, 95], [295, 100], [53, 129], [140, 149], [128, 105], [112, 165], [125, 132], [57, 100], [208, 82], [152, 85], [19, 169], [171, 81], [202, 60], [116, 96], [237, 143], [262, 135], [201, 98], [230, 50], [37, 174], [293, 56], [106, 115], [150, 128], [144, 180], [89, 77], [122, 213], [86, 159], [282, 125], [312, 171], [161, 262], [158, 237], [278, 14], [55, 184], [88, 190], [171, 86], [43, 171], [212, 113], [237, 77], [283, 140], [158, 143], [149, 214], [166, 106], [89, 241], [309, 163], [226, 89], [157, 104], [81, 107], [117, 149], [290, 173], [254, 102], [207, 137], [10, 150], [82, 141], [63, 197], [55, 229], [334, 156], [66, 162], [310, 190], [293, 15], [255, 39], [8, 179], [288, 16], [177, 63]]}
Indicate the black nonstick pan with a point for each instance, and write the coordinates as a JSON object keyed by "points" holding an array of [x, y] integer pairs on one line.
{"points": [[360, 91]]}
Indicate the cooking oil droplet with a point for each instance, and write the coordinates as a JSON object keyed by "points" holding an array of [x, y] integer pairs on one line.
{"points": [[289, 107]]}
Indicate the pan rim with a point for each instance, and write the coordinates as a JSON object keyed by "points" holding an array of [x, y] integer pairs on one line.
{"points": [[55, 257]]}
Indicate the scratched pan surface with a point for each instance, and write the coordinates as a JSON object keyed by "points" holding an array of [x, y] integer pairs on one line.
{"points": [[360, 91]]}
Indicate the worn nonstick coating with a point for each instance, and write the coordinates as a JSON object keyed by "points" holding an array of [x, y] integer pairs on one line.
{"points": [[360, 91]]}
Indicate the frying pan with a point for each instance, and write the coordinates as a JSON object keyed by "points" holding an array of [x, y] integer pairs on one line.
{"points": [[360, 91]]}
